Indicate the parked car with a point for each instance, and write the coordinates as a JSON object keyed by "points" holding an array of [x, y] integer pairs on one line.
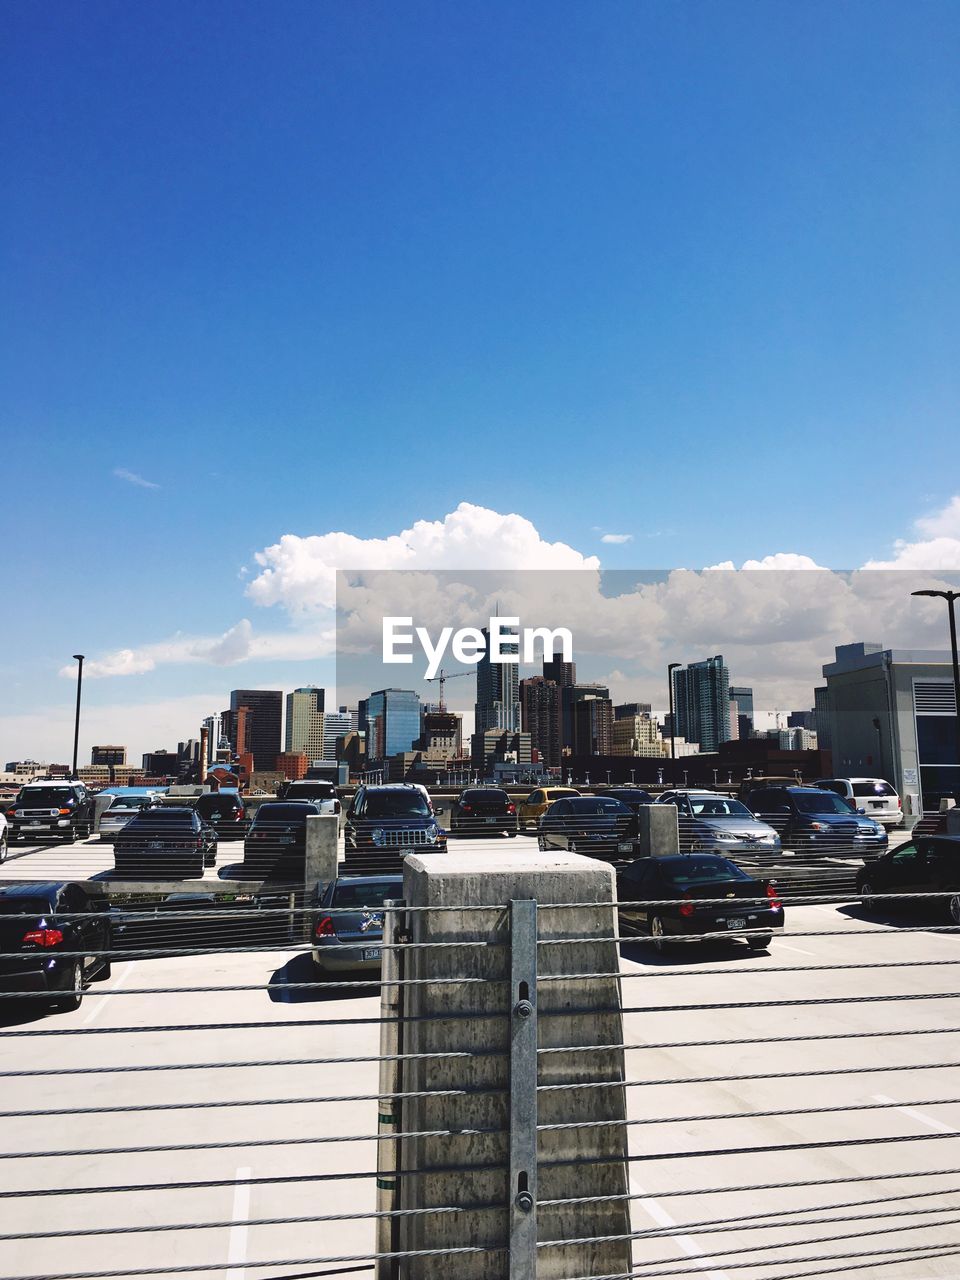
{"points": [[598, 826], [386, 822], [323, 794], [684, 896], [714, 823], [4, 836], [122, 809], [63, 809], [873, 796], [56, 918], [483, 811], [930, 864], [276, 844], [634, 797], [812, 821], [171, 842], [204, 920], [757, 784], [224, 811], [531, 810], [349, 929]]}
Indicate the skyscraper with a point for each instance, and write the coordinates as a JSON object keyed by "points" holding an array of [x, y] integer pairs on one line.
{"points": [[540, 711], [393, 722], [570, 695], [498, 690], [701, 694], [264, 720], [743, 697], [304, 733], [560, 672], [592, 726]]}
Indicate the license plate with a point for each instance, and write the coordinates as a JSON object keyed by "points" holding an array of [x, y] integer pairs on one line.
{"points": [[34, 824], [155, 844], [371, 953], [491, 821], [878, 804], [624, 847], [215, 817], [737, 922]]}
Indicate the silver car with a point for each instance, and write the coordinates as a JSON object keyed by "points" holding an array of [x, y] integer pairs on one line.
{"points": [[714, 823], [121, 810]]}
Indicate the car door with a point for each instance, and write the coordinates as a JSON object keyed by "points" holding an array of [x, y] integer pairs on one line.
{"points": [[636, 889], [907, 871], [771, 805]]}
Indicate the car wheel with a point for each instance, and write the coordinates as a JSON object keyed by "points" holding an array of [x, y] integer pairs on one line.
{"points": [[3, 847], [74, 997], [954, 909], [541, 844], [866, 895], [761, 943], [659, 936]]}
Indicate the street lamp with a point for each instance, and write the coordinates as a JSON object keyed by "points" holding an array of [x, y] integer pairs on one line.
{"points": [[951, 597], [76, 727], [671, 667]]}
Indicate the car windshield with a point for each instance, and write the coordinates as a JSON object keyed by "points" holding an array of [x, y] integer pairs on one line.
{"points": [[311, 791], [701, 871], [45, 797], [163, 817], [873, 789], [599, 805], [129, 802], [632, 797], [718, 807], [282, 813], [368, 893], [821, 802], [475, 797], [396, 804], [216, 804]]}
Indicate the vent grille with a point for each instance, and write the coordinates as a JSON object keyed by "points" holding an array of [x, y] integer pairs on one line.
{"points": [[934, 698]]}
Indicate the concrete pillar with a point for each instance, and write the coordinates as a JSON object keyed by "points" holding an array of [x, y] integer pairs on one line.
{"points": [[659, 830], [321, 861], [461, 883], [100, 805]]}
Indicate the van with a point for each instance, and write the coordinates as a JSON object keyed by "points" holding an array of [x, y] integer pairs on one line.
{"points": [[873, 796]]}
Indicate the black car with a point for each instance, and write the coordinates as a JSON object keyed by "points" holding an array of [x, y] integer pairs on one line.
{"points": [[633, 797], [811, 821], [276, 844], [40, 926], [348, 933], [710, 895], [598, 826], [929, 864], [483, 811], [61, 809], [224, 811], [173, 843], [386, 823]]}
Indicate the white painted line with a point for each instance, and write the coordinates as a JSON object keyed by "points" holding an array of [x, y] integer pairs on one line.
{"points": [[686, 1243], [827, 911], [237, 1247], [99, 1005], [918, 1115], [799, 950]]}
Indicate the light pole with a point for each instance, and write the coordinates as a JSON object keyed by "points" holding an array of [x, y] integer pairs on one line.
{"points": [[76, 725], [671, 667], [951, 597]]}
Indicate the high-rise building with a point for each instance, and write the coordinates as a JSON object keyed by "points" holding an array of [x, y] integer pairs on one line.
{"points": [[821, 703], [293, 765], [743, 697], [441, 733], [498, 690], [570, 695], [336, 725], [214, 727], [635, 736], [264, 723], [393, 722], [493, 747], [108, 755], [701, 693], [540, 717], [802, 720], [627, 710], [561, 673], [305, 723]]}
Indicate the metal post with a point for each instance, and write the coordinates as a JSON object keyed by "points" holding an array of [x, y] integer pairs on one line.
{"points": [[671, 666], [956, 675], [76, 726], [523, 1090], [388, 1110]]}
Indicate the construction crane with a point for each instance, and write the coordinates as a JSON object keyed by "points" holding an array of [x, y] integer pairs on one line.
{"points": [[442, 677]]}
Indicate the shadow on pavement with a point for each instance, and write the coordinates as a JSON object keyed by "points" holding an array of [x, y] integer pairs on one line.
{"points": [[302, 969], [906, 917], [688, 954]]}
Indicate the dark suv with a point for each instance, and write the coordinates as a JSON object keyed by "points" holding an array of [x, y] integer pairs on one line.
{"points": [[224, 811], [812, 821], [386, 823], [56, 938], [62, 809], [483, 811]]}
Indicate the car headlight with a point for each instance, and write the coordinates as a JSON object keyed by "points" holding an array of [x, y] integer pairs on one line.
{"points": [[433, 833], [770, 837], [724, 837], [377, 835]]}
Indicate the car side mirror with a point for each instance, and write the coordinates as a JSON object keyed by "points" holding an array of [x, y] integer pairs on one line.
{"points": [[861, 811]]}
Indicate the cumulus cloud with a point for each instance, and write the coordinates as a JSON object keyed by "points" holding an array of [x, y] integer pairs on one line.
{"points": [[617, 539], [131, 477], [939, 547]]}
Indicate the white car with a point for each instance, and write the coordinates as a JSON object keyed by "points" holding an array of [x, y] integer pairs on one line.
{"points": [[875, 796], [3, 836]]}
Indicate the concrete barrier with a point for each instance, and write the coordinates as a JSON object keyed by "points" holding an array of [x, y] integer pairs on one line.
{"points": [[100, 806], [321, 860], [456, 884], [659, 835]]}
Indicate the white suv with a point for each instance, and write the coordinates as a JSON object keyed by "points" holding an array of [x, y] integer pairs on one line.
{"points": [[875, 796]]}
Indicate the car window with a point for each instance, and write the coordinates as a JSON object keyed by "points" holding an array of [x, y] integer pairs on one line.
{"points": [[279, 812], [828, 784], [874, 789], [596, 806], [535, 797], [701, 871], [906, 853], [560, 808], [640, 875], [767, 799], [821, 802], [368, 894], [45, 797], [396, 804], [718, 807]]}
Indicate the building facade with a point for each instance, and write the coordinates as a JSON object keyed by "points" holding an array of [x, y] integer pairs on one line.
{"points": [[540, 716], [742, 695], [498, 690], [264, 724], [108, 755], [701, 693], [637, 735], [393, 722], [304, 727]]}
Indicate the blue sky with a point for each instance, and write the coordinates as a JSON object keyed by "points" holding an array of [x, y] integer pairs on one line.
{"points": [[684, 272]]}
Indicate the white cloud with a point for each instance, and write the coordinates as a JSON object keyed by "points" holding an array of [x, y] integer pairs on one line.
{"points": [[779, 560], [617, 538], [938, 550], [131, 477]]}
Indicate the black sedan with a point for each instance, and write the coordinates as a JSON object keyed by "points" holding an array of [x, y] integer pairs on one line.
{"points": [[170, 842], [634, 797], [56, 938], [685, 896], [275, 847], [927, 865], [481, 811], [598, 826], [348, 933]]}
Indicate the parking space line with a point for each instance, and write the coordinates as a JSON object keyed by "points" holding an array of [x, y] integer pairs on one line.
{"points": [[237, 1247], [918, 1115], [101, 1003], [656, 1211], [799, 950]]}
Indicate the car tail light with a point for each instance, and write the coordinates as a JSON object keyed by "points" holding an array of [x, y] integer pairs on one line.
{"points": [[43, 937], [324, 928], [511, 808], [686, 908], [63, 812], [775, 904], [198, 843], [466, 808], [899, 803]]}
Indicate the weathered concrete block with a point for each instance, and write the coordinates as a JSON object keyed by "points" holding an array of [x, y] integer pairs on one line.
{"points": [[571, 1012], [321, 859], [659, 830]]}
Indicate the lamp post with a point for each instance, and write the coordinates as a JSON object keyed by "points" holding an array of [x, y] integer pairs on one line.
{"points": [[951, 597], [671, 667], [76, 725]]}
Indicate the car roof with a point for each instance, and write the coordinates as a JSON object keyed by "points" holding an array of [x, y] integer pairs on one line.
{"points": [[33, 889], [391, 876], [679, 858], [395, 786], [176, 808]]}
